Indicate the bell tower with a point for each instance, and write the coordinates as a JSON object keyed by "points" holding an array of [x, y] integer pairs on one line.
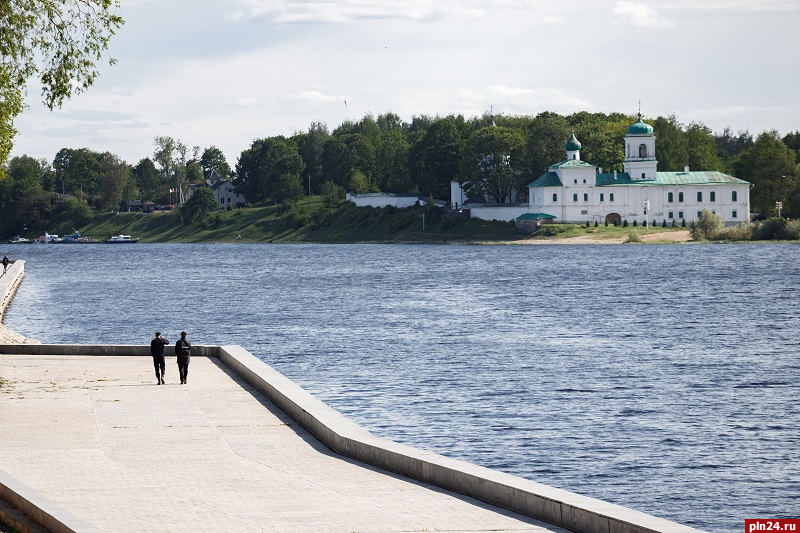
{"points": [[640, 151]]}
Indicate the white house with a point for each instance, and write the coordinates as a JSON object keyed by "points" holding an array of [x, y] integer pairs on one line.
{"points": [[223, 191], [384, 199], [575, 191]]}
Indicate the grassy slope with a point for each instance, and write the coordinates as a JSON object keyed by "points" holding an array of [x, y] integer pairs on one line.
{"points": [[311, 222]]}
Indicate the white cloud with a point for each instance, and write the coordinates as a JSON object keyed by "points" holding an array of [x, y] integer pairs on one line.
{"points": [[732, 6], [552, 20], [639, 15], [344, 11], [517, 100], [315, 96]]}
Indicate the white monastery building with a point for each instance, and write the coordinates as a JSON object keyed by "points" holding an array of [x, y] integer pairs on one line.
{"points": [[574, 191]]}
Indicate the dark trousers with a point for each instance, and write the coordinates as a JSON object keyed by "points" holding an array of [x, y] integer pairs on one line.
{"points": [[158, 363], [183, 370]]}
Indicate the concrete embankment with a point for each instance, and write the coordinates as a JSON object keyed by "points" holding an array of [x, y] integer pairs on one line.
{"points": [[9, 281], [134, 424]]}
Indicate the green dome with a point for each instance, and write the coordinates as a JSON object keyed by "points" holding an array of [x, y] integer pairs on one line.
{"points": [[573, 145], [640, 128]]}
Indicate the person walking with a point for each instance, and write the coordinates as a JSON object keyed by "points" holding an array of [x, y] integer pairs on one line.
{"points": [[183, 350], [157, 351], [5, 263]]}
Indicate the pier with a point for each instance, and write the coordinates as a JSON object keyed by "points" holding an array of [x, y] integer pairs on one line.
{"points": [[89, 442]]}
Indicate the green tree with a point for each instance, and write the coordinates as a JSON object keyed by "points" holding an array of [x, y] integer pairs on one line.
{"points": [[77, 171], [310, 144], [170, 159], [196, 207], [346, 152], [23, 202], [330, 194], [113, 181], [439, 156], [492, 157], [770, 166], [545, 138], [702, 148], [58, 41], [270, 170], [672, 150], [214, 159], [392, 162], [147, 180]]}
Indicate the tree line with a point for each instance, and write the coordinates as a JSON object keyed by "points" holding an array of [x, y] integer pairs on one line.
{"points": [[494, 156]]}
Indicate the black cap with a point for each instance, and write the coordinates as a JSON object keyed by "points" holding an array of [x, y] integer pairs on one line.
{"points": [[158, 333], [183, 333]]}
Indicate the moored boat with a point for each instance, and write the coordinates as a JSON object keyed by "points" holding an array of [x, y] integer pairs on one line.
{"points": [[19, 240], [120, 239]]}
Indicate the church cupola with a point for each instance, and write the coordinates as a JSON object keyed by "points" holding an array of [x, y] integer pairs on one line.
{"points": [[640, 151], [573, 148]]}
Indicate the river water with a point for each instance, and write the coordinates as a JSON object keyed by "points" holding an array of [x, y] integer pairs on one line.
{"points": [[662, 378]]}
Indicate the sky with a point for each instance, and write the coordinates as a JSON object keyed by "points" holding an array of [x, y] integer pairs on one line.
{"points": [[224, 73]]}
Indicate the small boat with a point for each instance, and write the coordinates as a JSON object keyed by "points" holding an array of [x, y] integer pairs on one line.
{"points": [[46, 238], [120, 239], [19, 240]]}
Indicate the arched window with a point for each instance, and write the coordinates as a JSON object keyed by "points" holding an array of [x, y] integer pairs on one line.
{"points": [[601, 197], [555, 197], [680, 197], [670, 197], [575, 197], [733, 195], [699, 196], [611, 197], [712, 196], [585, 197], [642, 150]]}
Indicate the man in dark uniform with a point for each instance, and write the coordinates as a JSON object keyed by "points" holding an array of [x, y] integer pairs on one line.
{"points": [[183, 350], [157, 351]]}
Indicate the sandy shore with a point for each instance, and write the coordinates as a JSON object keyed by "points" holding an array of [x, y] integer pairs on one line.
{"points": [[662, 237]]}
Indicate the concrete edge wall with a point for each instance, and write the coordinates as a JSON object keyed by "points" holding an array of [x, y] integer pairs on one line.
{"points": [[41, 510], [555, 506], [9, 283]]}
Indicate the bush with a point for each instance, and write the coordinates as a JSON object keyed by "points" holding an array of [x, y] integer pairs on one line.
{"points": [[635, 223], [78, 212], [633, 238], [709, 226], [625, 224], [664, 224]]}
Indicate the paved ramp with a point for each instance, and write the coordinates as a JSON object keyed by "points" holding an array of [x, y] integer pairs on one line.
{"points": [[96, 435]]}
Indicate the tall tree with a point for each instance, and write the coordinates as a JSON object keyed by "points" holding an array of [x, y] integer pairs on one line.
{"points": [[77, 171], [771, 167], [392, 162], [23, 202], [214, 159], [344, 153], [438, 157], [59, 41], [170, 158], [672, 150], [270, 170], [492, 159], [702, 148], [113, 181], [545, 138], [311, 144], [147, 179]]}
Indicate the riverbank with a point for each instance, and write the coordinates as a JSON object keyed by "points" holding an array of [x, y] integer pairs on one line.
{"points": [[9, 281]]}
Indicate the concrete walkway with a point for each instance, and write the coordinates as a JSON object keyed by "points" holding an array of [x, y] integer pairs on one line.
{"points": [[96, 435]]}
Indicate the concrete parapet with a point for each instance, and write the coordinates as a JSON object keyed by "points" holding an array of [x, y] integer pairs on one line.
{"points": [[556, 506], [38, 509], [9, 283]]}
